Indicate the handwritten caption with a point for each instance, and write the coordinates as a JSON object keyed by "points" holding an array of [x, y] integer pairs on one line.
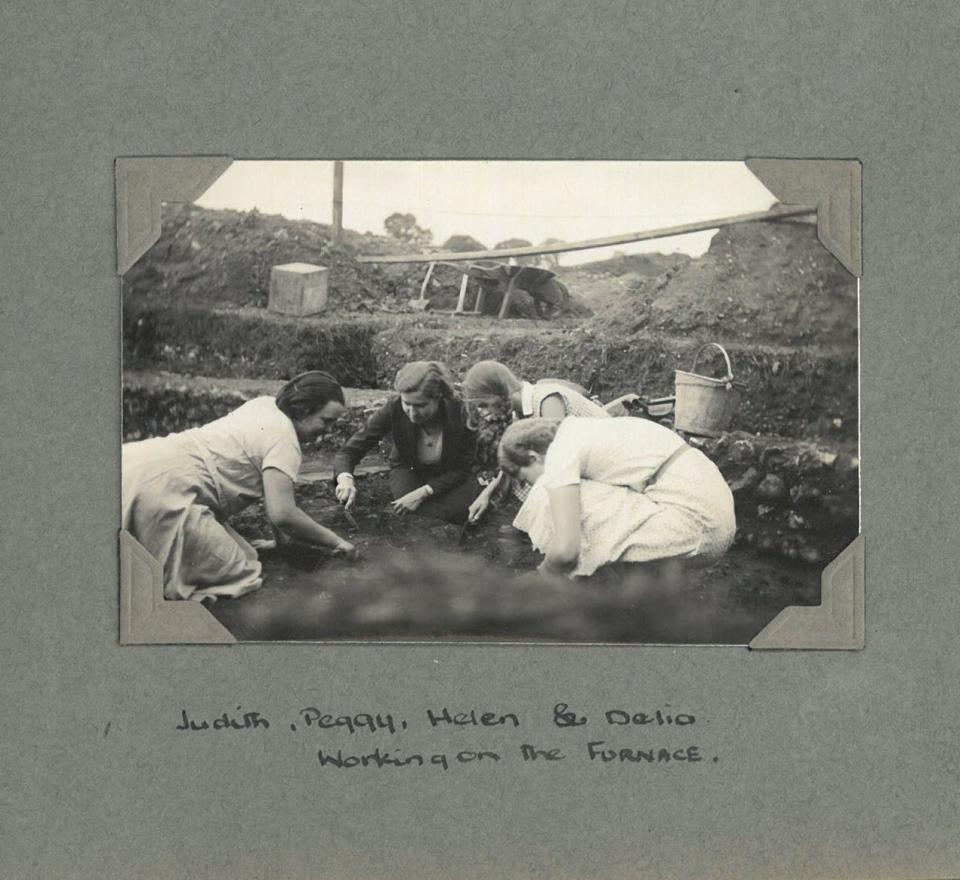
{"points": [[620, 736]]}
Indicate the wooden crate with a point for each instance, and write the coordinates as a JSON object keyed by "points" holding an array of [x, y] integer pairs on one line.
{"points": [[298, 289]]}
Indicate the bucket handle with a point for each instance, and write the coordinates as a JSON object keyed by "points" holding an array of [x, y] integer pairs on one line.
{"points": [[729, 377]]}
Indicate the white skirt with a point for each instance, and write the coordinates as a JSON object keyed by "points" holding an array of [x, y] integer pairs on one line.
{"points": [[169, 505]]}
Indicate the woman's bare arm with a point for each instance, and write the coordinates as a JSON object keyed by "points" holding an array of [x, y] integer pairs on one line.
{"points": [[284, 515], [564, 549], [482, 501]]}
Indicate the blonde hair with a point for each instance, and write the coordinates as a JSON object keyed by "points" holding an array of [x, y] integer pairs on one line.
{"points": [[430, 377], [522, 438], [486, 383]]}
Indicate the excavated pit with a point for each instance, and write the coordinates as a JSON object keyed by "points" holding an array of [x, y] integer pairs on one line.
{"points": [[415, 580]]}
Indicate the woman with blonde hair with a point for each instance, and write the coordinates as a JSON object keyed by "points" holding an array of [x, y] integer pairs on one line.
{"points": [[626, 490], [432, 447], [178, 490], [491, 387]]}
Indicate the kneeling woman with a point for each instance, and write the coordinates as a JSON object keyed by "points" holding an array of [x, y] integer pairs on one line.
{"points": [[177, 490], [432, 447], [490, 387], [613, 490]]}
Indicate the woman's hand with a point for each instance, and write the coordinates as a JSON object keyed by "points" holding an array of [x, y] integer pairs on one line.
{"points": [[555, 566], [412, 500], [479, 505], [259, 544], [346, 550], [346, 491], [289, 520]]}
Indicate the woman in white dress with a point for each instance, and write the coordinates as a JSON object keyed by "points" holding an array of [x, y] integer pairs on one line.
{"points": [[178, 490], [491, 387], [624, 489]]}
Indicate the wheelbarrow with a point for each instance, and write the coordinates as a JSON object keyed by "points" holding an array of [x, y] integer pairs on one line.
{"points": [[550, 295]]}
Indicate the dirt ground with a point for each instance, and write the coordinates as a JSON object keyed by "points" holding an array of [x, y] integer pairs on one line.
{"points": [[415, 580]]}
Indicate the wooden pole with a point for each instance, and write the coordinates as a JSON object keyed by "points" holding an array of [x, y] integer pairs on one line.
{"points": [[507, 295], [426, 281], [461, 302], [337, 202], [626, 238]]}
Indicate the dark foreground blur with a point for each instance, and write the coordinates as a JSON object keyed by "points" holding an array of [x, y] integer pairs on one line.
{"points": [[417, 581]]}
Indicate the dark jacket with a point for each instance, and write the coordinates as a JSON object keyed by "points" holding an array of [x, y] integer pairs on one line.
{"points": [[390, 421]]}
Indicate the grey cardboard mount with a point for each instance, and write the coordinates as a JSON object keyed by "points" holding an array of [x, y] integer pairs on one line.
{"points": [[818, 765], [832, 186]]}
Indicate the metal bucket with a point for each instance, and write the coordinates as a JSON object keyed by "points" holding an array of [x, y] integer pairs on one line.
{"points": [[705, 406]]}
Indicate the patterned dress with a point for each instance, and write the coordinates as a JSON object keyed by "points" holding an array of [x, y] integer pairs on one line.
{"points": [[574, 404], [687, 512]]}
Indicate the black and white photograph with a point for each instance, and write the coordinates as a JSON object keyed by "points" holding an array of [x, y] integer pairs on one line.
{"points": [[512, 401]]}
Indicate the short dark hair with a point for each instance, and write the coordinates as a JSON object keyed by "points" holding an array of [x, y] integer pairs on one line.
{"points": [[308, 393]]}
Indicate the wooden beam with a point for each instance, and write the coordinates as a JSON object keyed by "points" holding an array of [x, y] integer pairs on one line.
{"points": [[587, 244]]}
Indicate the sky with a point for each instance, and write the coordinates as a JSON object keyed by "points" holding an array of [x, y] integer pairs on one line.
{"points": [[496, 200]]}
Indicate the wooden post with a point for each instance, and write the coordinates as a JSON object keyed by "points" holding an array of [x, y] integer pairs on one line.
{"points": [[506, 297], [426, 281], [337, 202], [462, 301]]}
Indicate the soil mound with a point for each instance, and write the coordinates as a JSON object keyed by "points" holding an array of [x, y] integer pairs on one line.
{"points": [[770, 281], [645, 265], [224, 258], [219, 259]]}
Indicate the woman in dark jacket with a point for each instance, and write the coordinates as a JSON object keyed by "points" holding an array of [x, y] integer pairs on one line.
{"points": [[432, 447]]}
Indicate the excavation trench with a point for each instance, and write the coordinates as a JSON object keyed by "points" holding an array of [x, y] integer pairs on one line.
{"points": [[415, 580]]}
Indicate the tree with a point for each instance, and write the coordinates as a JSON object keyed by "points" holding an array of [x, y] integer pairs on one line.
{"points": [[511, 243], [462, 244], [550, 261], [403, 227]]}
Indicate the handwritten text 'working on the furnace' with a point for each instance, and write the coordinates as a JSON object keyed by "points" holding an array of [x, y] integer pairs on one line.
{"points": [[597, 750]]}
